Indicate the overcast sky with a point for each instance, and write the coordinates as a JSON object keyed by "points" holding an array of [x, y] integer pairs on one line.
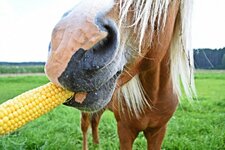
{"points": [[26, 26]]}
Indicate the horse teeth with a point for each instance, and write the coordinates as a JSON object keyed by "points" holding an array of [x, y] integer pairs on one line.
{"points": [[101, 43]]}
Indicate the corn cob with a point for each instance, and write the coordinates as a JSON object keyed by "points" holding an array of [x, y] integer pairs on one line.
{"points": [[30, 105]]}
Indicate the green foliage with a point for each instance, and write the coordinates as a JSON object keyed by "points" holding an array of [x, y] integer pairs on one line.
{"points": [[197, 125], [223, 61], [209, 58], [21, 69]]}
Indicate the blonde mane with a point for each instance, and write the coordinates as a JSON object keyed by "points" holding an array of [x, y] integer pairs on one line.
{"points": [[148, 14]]}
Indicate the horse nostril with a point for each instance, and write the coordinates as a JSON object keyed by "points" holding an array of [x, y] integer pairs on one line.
{"points": [[118, 72], [111, 28], [103, 52]]}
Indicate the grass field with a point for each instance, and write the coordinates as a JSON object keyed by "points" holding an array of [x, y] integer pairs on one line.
{"points": [[199, 125]]}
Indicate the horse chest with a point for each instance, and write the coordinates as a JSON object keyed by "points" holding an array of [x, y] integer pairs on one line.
{"points": [[152, 118]]}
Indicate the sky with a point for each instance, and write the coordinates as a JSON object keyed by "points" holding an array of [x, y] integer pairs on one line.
{"points": [[26, 26]]}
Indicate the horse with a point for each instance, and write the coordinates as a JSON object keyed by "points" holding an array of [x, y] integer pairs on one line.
{"points": [[128, 56]]}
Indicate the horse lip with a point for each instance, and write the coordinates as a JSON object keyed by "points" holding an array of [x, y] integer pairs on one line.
{"points": [[78, 80], [97, 99]]}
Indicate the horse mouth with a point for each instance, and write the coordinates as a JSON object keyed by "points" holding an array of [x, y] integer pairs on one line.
{"points": [[96, 99], [94, 71]]}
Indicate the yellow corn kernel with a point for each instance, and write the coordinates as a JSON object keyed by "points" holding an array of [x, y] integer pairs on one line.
{"points": [[30, 105]]}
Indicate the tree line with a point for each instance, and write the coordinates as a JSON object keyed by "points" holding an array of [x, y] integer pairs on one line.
{"points": [[209, 58], [22, 63]]}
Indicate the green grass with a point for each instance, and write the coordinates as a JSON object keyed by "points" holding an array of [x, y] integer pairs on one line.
{"points": [[5, 69], [199, 125]]}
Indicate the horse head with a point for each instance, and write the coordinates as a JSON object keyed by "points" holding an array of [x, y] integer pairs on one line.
{"points": [[99, 46]]}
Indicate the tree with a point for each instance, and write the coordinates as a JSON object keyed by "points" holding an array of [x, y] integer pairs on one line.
{"points": [[223, 61]]}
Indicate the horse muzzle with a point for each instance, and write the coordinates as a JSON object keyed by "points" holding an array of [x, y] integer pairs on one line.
{"points": [[94, 71]]}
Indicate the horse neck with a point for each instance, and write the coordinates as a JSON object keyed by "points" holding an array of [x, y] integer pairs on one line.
{"points": [[150, 88], [156, 80], [155, 72], [151, 73]]}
